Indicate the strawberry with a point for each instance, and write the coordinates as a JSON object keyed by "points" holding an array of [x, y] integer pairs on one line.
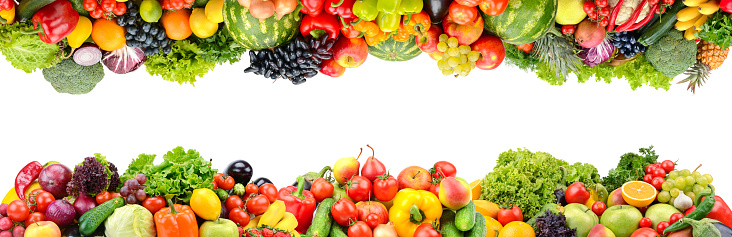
{"points": [[266, 232], [282, 234]]}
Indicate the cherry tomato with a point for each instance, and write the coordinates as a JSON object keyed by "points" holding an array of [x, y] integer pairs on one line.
{"points": [[344, 211], [604, 22], [216, 186], [154, 204], [176, 4], [225, 182], [662, 226], [40, 200], [103, 197], [668, 2], [462, 14], [668, 166], [239, 216], [592, 15], [588, 6], [119, 9], [372, 220], [18, 211], [601, 3], [258, 204], [108, 5], [598, 208], [659, 173], [360, 229], [426, 230], [89, 5], [604, 11], [577, 193], [444, 169], [251, 188], [645, 222], [34, 217], [649, 169], [657, 183], [359, 188], [648, 178], [97, 13], [270, 191], [234, 201], [568, 29], [322, 189], [526, 47], [435, 189], [676, 217], [507, 215], [385, 188]]}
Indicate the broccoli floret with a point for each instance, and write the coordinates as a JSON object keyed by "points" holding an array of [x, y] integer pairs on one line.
{"points": [[672, 54], [72, 78]]}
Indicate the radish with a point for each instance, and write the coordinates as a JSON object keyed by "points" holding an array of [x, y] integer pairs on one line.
{"points": [[87, 55]]}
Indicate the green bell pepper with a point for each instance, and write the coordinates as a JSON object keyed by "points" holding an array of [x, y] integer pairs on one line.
{"points": [[388, 22], [409, 7], [388, 6], [366, 9]]}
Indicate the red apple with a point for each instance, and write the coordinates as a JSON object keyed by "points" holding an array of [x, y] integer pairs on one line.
{"points": [[492, 52], [350, 53], [414, 177], [454, 193], [616, 198], [427, 42], [43, 229], [437, 55], [466, 34], [332, 69], [367, 207]]}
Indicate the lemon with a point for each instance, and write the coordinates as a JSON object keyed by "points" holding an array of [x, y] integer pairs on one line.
{"points": [[570, 12], [214, 11]]}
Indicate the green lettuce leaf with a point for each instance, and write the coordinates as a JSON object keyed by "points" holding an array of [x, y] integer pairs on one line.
{"points": [[183, 64], [27, 52]]}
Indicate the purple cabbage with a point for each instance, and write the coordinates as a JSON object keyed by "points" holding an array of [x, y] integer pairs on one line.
{"points": [[598, 54], [124, 60]]}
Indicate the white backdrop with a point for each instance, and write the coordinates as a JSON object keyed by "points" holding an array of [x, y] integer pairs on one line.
{"points": [[409, 112]]}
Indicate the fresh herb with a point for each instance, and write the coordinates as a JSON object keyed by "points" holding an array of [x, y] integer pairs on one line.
{"points": [[178, 175], [518, 58], [221, 48], [717, 29], [631, 167], [26, 51], [553, 225], [183, 64]]}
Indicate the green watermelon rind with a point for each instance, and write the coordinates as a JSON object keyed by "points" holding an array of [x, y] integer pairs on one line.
{"points": [[255, 35], [405, 51], [511, 25]]}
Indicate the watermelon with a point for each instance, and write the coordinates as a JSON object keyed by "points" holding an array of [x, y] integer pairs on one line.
{"points": [[392, 50], [255, 35], [523, 22]]}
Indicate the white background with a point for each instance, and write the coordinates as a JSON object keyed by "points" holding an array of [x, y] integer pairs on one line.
{"points": [[408, 111]]}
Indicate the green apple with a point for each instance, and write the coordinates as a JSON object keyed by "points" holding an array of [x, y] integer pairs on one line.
{"points": [[621, 219], [660, 212], [581, 217], [219, 228]]}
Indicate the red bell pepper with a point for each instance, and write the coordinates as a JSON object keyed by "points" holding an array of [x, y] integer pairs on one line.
{"points": [[312, 7], [54, 22], [315, 25], [720, 211], [342, 8], [347, 29], [300, 203]]}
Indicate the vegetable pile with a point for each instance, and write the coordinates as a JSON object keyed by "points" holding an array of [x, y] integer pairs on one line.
{"points": [[646, 42]]}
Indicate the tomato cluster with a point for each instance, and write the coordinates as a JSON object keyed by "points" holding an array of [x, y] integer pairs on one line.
{"points": [[656, 173], [172, 5], [598, 11], [664, 5], [31, 210], [104, 9], [255, 201]]}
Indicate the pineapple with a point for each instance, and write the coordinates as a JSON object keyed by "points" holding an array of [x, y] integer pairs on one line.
{"points": [[709, 56], [696, 75]]}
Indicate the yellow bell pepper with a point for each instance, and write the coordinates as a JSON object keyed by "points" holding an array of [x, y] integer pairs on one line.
{"points": [[412, 208], [8, 16], [81, 32], [200, 25], [206, 204]]}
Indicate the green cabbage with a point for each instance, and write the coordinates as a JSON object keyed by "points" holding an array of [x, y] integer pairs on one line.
{"points": [[130, 221]]}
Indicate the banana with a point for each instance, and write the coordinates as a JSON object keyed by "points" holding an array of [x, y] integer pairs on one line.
{"points": [[683, 25], [690, 34], [273, 215], [709, 8], [688, 13], [694, 3], [252, 222], [288, 222], [700, 22]]}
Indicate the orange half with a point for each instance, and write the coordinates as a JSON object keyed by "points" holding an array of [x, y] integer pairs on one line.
{"points": [[476, 189], [638, 193]]}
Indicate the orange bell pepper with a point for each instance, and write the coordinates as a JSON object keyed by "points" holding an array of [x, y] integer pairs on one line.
{"points": [[368, 28], [419, 22], [176, 221], [403, 34], [377, 39]]}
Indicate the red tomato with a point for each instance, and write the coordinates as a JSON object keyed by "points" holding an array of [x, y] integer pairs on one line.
{"points": [[469, 3], [444, 169], [435, 189], [649, 169], [270, 191], [604, 11], [154, 204], [89, 5], [645, 222], [251, 188], [360, 229], [39, 200], [322, 189], [359, 188], [385, 188], [258, 204], [568, 29], [344, 211], [103, 197], [507, 215], [588, 6], [239, 216], [604, 22], [372, 220], [225, 182], [657, 183], [662, 226], [120, 9], [461, 14], [598, 208], [18, 211], [668, 166], [577, 193], [525, 47], [234, 201], [108, 5], [426, 230], [601, 3], [676, 217], [644, 232], [659, 173], [648, 178], [34, 217]]}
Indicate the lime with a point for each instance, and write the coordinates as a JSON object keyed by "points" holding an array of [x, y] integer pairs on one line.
{"points": [[150, 10]]}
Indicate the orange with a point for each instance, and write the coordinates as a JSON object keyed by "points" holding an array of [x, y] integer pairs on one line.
{"points": [[176, 24], [517, 229], [476, 189], [638, 193], [493, 226], [108, 35]]}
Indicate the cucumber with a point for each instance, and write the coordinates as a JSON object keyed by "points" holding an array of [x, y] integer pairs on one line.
{"points": [[90, 221], [479, 229], [79, 7], [337, 230], [664, 24], [465, 217], [322, 220], [447, 224], [27, 8]]}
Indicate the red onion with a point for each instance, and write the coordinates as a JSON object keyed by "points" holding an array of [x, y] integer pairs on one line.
{"points": [[87, 55], [84, 203], [61, 212]]}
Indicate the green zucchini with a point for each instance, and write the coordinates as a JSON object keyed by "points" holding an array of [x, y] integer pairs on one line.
{"points": [[664, 24], [479, 229], [337, 230], [465, 217], [90, 221], [322, 220], [27, 8], [79, 7], [447, 224]]}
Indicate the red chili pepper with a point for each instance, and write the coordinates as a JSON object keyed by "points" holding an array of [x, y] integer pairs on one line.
{"points": [[312, 7], [614, 15], [314, 25], [342, 8], [347, 29], [54, 22], [26, 176], [644, 21], [300, 203], [634, 17]]}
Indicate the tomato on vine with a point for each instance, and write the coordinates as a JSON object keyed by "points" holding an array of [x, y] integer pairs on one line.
{"points": [[360, 229], [344, 211], [359, 188], [385, 187]]}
